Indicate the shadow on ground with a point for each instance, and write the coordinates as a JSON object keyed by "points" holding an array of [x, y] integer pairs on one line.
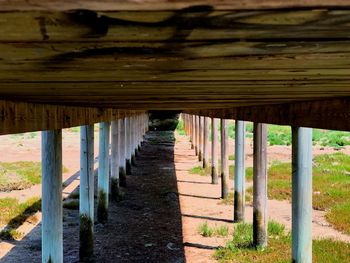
{"points": [[145, 227]]}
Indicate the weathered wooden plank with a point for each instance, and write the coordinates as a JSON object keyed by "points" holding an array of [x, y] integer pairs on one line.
{"points": [[17, 117], [52, 221], [23, 5], [325, 114]]}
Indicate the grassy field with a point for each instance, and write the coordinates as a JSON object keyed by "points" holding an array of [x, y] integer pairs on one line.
{"points": [[13, 214], [282, 135], [20, 175], [240, 247], [331, 187]]}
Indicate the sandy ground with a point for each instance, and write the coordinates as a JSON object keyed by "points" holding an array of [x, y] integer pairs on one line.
{"points": [[152, 221]]}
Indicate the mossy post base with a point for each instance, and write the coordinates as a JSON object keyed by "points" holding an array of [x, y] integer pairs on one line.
{"points": [[214, 175], [122, 176], [133, 159], [128, 169], [102, 208], [116, 193], [238, 215], [86, 251]]}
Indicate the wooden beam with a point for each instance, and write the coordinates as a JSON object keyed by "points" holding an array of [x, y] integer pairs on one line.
{"points": [[52, 224], [302, 195], [17, 117], [23, 5], [331, 114]]}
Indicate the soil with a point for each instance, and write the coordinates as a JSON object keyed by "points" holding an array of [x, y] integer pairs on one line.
{"points": [[163, 206]]}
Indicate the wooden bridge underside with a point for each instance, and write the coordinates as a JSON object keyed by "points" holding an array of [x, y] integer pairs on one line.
{"points": [[77, 62]]}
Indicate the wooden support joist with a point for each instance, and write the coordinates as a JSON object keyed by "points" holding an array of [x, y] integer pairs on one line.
{"points": [[331, 114], [17, 117], [24, 5]]}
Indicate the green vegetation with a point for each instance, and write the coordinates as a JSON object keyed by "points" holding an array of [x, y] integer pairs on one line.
{"points": [[240, 248], [180, 128], [331, 187], [200, 170], [22, 136], [71, 204], [20, 175], [231, 157], [163, 137], [13, 214], [205, 230], [230, 198]]}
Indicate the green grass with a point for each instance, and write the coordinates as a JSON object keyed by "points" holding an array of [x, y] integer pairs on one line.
{"points": [[240, 248], [206, 231], [231, 157], [331, 187], [230, 198], [20, 175], [180, 128], [13, 214], [200, 170], [282, 135]]}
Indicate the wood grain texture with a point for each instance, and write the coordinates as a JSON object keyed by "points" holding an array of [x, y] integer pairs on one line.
{"points": [[325, 114], [16, 117], [25, 5]]}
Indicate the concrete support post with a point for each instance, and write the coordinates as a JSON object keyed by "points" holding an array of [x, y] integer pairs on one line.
{"points": [[133, 139], [86, 197], [122, 171], [193, 142], [115, 177], [206, 124], [200, 141], [52, 229], [127, 147], [239, 200], [214, 151], [260, 185], [197, 136], [224, 159], [195, 133], [302, 195], [190, 123], [103, 173]]}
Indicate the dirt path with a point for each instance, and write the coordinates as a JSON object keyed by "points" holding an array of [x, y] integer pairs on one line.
{"points": [[199, 201], [159, 218]]}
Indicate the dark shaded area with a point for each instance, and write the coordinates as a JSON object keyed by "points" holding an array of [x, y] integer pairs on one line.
{"points": [[145, 226], [163, 120]]}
